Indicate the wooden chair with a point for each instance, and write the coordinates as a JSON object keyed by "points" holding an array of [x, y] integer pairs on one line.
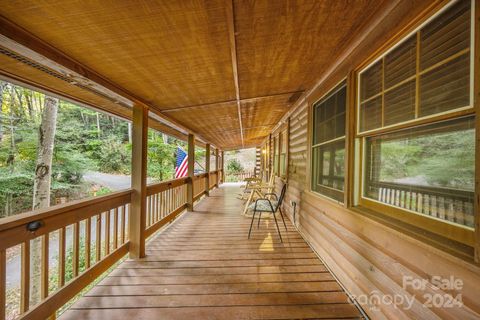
{"points": [[270, 206], [258, 190], [249, 182]]}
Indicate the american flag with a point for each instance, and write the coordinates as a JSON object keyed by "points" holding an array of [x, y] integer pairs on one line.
{"points": [[181, 167]]}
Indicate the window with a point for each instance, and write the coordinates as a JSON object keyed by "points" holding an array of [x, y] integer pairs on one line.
{"points": [[328, 149], [429, 170], [418, 162], [427, 74], [283, 153], [276, 150]]}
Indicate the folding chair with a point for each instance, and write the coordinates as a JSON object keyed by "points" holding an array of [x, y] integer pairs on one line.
{"points": [[270, 206]]}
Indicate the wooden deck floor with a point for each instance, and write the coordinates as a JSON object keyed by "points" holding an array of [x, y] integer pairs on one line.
{"points": [[203, 267]]}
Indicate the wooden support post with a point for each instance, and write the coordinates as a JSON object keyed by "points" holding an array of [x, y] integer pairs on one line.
{"points": [[207, 169], [349, 187], [476, 103], [137, 219], [270, 155], [191, 167], [217, 167], [223, 167]]}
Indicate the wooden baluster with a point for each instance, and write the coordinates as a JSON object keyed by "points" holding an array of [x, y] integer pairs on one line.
{"points": [[44, 281], [426, 199], [175, 197], [164, 203], [61, 256], [441, 208], [147, 212], [107, 232], [154, 214], [165, 209], [152, 209], [98, 238], [122, 226], [434, 206], [88, 236], [459, 218], [160, 203], [419, 202], [127, 219], [25, 280], [3, 283], [115, 228], [451, 209], [76, 249]]}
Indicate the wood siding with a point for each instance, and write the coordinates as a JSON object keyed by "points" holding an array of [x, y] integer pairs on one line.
{"points": [[364, 254]]}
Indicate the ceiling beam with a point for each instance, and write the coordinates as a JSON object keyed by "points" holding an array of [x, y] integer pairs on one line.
{"points": [[214, 104], [22, 42], [233, 51]]}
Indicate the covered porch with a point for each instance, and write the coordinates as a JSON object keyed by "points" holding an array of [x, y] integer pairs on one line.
{"points": [[368, 111], [202, 266]]}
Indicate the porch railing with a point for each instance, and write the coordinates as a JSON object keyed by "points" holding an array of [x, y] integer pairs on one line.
{"points": [[165, 200], [214, 175], [90, 236], [199, 185], [98, 237], [443, 203], [238, 176]]}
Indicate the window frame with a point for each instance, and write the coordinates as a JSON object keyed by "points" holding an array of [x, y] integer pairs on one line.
{"points": [[283, 151], [405, 37], [343, 83], [462, 234]]}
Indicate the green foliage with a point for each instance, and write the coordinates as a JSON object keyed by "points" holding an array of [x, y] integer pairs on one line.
{"points": [[77, 148], [110, 155], [445, 159], [234, 166], [103, 191], [161, 159]]}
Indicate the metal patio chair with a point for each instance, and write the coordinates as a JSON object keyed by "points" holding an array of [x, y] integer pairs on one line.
{"points": [[268, 205]]}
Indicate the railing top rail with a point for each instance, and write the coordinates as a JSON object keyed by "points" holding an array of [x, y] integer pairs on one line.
{"points": [[200, 175], [437, 191], [165, 185], [34, 215], [14, 230]]}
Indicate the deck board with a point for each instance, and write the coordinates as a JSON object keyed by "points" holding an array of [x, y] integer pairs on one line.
{"points": [[203, 267]]}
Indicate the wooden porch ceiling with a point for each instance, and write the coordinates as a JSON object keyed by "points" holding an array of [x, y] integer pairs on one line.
{"points": [[228, 71]]}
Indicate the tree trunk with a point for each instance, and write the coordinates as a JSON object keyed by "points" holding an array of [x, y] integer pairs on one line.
{"points": [[129, 132], [46, 139], [11, 155], [42, 183], [98, 125]]}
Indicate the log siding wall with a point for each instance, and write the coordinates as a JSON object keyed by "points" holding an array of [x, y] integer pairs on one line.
{"points": [[366, 254]]}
